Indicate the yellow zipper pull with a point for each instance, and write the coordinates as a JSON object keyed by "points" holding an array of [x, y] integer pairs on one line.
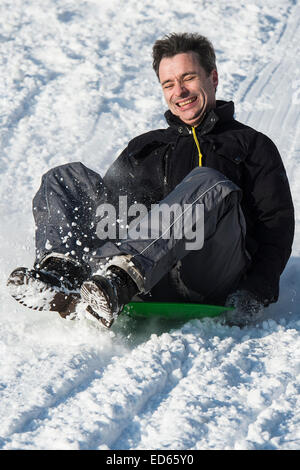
{"points": [[198, 146]]}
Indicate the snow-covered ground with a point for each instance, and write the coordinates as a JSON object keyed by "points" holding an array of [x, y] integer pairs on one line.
{"points": [[76, 83]]}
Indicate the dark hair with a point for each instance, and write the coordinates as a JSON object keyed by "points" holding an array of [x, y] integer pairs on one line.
{"points": [[177, 43]]}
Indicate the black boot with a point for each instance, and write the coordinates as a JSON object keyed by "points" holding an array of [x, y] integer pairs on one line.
{"points": [[52, 286], [107, 295], [70, 273]]}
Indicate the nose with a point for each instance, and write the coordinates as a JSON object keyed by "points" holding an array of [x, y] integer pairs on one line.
{"points": [[180, 89]]}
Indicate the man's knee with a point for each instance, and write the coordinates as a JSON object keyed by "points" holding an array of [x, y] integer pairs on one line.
{"points": [[73, 170]]}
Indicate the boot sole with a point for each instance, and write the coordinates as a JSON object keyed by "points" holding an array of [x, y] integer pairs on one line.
{"points": [[33, 293], [98, 303]]}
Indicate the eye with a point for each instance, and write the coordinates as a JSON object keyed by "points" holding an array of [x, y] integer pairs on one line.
{"points": [[189, 77]]}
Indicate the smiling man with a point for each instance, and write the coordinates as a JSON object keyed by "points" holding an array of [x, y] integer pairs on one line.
{"points": [[203, 159], [188, 89]]}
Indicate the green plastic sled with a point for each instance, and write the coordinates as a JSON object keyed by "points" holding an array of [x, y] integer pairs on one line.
{"points": [[173, 310]]}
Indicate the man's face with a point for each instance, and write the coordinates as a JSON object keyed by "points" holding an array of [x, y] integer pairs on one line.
{"points": [[188, 91]]}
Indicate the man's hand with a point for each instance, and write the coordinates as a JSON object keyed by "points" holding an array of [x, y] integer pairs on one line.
{"points": [[247, 308]]}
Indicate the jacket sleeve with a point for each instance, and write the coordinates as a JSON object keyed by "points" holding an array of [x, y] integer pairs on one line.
{"points": [[137, 172], [270, 208], [120, 177]]}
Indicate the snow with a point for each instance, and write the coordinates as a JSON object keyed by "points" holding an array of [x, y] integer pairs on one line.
{"points": [[76, 85]]}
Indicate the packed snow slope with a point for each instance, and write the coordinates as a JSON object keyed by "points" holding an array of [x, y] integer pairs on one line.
{"points": [[76, 85]]}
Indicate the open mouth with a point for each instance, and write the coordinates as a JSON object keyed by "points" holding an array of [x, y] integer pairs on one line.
{"points": [[186, 102]]}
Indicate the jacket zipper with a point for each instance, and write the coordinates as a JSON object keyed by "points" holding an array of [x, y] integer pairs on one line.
{"points": [[200, 156]]}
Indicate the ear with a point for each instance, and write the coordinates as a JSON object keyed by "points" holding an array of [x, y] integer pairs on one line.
{"points": [[215, 78]]}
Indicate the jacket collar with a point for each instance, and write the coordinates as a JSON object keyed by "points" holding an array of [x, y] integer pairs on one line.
{"points": [[224, 111]]}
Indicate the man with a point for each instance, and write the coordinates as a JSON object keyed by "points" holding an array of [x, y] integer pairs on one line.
{"points": [[203, 158]]}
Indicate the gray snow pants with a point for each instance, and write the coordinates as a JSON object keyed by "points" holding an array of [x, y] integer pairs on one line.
{"points": [[174, 267]]}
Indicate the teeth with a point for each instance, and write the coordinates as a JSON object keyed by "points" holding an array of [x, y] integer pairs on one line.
{"points": [[186, 102]]}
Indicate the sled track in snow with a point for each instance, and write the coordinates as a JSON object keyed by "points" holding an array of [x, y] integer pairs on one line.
{"points": [[107, 398], [269, 99]]}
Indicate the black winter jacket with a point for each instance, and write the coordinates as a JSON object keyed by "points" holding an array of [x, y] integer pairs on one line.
{"points": [[155, 162]]}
